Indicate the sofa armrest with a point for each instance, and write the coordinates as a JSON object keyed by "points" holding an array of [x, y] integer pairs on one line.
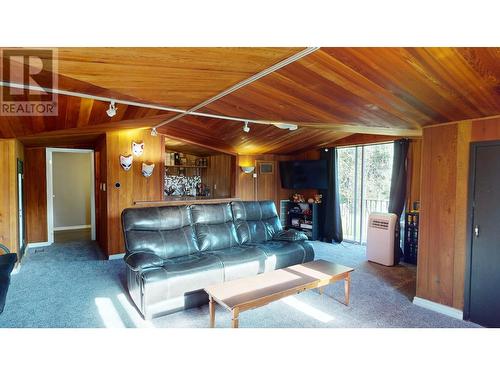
{"points": [[290, 235], [141, 260]]}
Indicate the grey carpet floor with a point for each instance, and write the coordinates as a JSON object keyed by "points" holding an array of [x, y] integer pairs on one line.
{"points": [[70, 285]]}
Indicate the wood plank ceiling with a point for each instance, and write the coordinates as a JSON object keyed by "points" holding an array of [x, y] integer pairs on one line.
{"points": [[331, 93]]}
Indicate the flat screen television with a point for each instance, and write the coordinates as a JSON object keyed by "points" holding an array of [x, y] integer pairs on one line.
{"points": [[304, 174]]}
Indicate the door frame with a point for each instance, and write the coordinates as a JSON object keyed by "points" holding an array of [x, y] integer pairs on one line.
{"points": [[21, 208], [50, 190], [470, 220]]}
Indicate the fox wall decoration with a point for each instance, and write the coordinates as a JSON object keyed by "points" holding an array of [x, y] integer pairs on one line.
{"points": [[126, 161], [147, 169], [137, 148]]}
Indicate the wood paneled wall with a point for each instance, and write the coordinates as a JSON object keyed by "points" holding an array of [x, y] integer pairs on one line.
{"points": [[443, 221], [35, 190], [10, 151], [220, 175], [133, 185], [247, 186], [437, 216]]}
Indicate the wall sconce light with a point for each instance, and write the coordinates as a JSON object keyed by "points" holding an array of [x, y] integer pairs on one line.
{"points": [[248, 169]]}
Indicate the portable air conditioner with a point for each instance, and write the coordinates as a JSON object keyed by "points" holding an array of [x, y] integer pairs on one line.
{"points": [[380, 238]]}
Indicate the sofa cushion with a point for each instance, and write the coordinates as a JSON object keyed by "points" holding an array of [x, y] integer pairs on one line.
{"points": [[164, 231], [214, 226], [240, 261], [181, 275], [283, 254], [255, 221]]}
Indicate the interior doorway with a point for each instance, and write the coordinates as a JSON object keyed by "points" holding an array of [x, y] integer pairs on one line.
{"points": [[70, 195]]}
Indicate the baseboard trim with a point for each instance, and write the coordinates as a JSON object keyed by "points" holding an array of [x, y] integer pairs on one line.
{"points": [[116, 256], [38, 244], [72, 227], [437, 307]]}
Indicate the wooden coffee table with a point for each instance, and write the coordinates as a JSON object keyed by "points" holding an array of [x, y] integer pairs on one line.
{"points": [[256, 291]]}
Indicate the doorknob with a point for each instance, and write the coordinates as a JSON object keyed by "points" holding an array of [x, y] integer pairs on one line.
{"points": [[476, 230]]}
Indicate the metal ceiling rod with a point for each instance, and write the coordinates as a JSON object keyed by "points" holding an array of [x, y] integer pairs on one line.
{"points": [[88, 96], [255, 77], [132, 103]]}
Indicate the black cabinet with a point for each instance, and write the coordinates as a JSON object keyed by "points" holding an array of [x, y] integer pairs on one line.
{"points": [[303, 217]]}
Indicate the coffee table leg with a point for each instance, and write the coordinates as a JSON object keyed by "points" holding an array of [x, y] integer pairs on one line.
{"points": [[236, 313], [347, 284], [211, 305]]}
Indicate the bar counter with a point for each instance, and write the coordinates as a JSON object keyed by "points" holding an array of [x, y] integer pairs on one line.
{"points": [[184, 200]]}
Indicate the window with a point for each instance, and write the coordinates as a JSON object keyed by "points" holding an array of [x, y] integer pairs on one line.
{"points": [[364, 186]]}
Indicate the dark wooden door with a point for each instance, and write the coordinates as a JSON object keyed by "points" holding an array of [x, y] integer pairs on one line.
{"points": [[484, 259]]}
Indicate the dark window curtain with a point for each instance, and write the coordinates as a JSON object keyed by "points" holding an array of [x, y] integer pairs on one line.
{"points": [[398, 190], [329, 212]]}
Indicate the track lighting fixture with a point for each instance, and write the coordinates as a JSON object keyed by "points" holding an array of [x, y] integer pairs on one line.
{"points": [[287, 126], [154, 132], [246, 128], [112, 109]]}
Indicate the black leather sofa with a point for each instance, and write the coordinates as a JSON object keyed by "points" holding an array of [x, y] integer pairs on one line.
{"points": [[7, 263], [172, 253]]}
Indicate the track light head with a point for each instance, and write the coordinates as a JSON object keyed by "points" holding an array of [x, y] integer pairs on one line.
{"points": [[111, 112], [246, 128], [154, 132], [286, 126]]}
